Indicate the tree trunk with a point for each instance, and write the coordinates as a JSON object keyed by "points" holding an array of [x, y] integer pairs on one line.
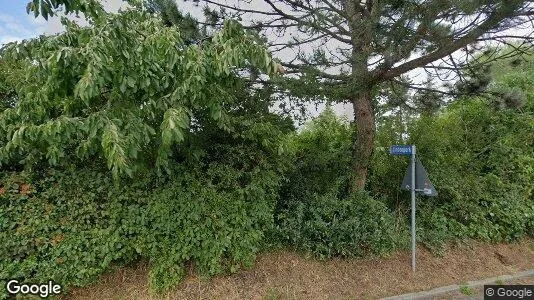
{"points": [[364, 140]]}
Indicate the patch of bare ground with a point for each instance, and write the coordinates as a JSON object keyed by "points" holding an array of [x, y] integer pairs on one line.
{"points": [[289, 275]]}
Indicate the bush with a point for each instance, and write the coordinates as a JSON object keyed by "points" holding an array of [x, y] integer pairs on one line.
{"points": [[194, 220], [316, 214], [329, 226], [65, 226], [480, 159], [321, 161], [71, 226]]}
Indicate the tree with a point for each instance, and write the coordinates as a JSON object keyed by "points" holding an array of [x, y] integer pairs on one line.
{"points": [[362, 48], [8, 80], [125, 89], [171, 15]]}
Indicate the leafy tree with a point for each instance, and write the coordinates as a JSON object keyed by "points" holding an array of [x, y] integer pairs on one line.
{"points": [[48, 8], [321, 163], [11, 75], [362, 49], [126, 90], [171, 15]]}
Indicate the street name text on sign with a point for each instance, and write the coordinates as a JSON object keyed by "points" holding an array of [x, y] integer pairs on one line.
{"points": [[400, 150]]}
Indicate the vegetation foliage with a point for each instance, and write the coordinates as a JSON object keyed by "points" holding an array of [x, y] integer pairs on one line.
{"points": [[316, 212], [358, 51], [479, 153], [70, 226], [124, 90], [124, 141]]}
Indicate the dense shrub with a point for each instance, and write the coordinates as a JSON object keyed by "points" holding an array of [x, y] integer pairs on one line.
{"points": [[316, 213], [227, 180], [65, 226], [202, 153], [481, 159], [71, 226], [478, 155], [217, 228], [321, 162], [327, 226]]}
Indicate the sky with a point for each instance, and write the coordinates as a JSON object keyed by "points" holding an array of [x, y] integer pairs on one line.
{"points": [[16, 24]]}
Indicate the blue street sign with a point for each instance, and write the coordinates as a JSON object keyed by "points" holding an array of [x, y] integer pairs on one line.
{"points": [[401, 150]]}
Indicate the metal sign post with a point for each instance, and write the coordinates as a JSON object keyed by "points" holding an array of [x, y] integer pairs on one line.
{"points": [[413, 206], [415, 180]]}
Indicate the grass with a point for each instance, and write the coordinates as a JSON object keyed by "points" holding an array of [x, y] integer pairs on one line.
{"points": [[466, 290], [272, 294]]}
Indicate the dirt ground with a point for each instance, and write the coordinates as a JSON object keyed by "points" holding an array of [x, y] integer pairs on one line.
{"points": [[288, 275]]}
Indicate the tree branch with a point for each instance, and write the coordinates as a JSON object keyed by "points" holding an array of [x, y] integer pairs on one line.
{"points": [[504, 11]]}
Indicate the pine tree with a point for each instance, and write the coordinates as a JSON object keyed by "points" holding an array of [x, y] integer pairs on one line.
{"points": [[360, 49]]}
